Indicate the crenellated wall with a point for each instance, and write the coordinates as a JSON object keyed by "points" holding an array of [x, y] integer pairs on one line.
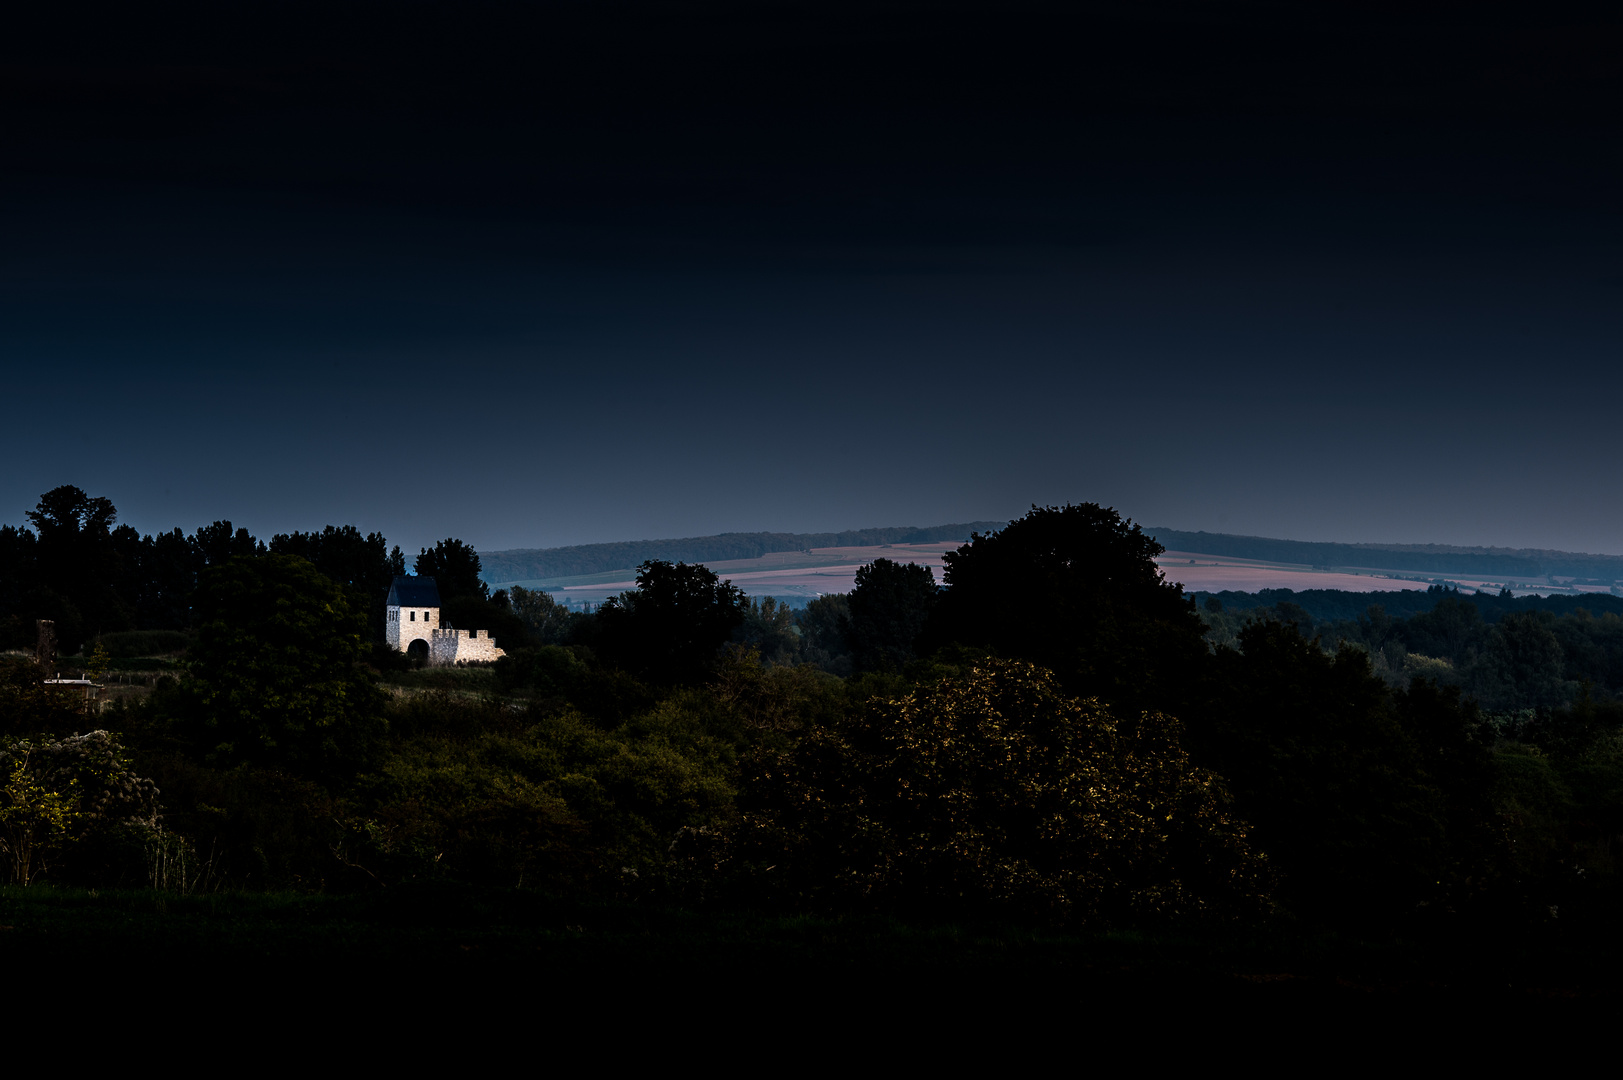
{"points": [[461, 646]]}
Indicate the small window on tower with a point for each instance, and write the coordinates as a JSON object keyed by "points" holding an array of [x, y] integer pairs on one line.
{"points": [[414, 616]]}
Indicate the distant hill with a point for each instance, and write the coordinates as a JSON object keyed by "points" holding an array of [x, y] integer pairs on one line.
{"points": [[527, 564], [1421, 558]]}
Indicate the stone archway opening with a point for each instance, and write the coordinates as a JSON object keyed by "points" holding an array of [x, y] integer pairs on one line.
{"points": [[417, 653]]}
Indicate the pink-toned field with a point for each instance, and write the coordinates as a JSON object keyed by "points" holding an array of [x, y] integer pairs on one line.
{"points": [[833, 570], [823, 570], [1213, 574]]}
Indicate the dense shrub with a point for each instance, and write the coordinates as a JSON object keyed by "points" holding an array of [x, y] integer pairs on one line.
{"points": [[476, 794], [75, 800], [994, 791]]}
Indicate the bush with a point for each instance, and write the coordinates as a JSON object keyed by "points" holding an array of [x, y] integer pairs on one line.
{"points": [[71, 796], [474, 796]]}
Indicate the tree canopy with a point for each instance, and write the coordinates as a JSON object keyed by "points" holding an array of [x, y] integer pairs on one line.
{"points": [[994, 788], [1370, 800], [671, 627], [1076, 589], [890, 605], [454, 566], [275, 675]]}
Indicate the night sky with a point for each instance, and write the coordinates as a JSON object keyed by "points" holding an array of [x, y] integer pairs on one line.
{"points": [[533, 275]]}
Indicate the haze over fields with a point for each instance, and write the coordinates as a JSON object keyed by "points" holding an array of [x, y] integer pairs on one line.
{"points": [[791, 575], [1242, 564]]}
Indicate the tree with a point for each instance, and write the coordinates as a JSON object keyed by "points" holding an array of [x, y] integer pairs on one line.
{"points": [[218, 543], [275, 673], [68, 521], [78, 563], [1447, 630], [545, 620], [454, 566], [890, 606], [20, 586], [34, 820], [1367, 800], [995, 790], [672, 626], [1076, 589], [361, 564], [1522, 666], [825, 633], [168, 565], [769, 629]]}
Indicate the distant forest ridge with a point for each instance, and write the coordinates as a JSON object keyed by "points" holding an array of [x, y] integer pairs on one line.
{"points": [[1425, 558], [527, 564], [1334, 605]]}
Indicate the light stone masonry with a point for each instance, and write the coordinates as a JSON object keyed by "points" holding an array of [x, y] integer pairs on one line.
{"points": [[405, 625], [463, 646], [412, 615]]}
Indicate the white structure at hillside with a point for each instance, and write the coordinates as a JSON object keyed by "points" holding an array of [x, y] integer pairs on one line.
{"points": [[415, 628]]}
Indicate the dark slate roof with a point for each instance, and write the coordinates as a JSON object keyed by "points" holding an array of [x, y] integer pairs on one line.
{"points": [[414, 592]]}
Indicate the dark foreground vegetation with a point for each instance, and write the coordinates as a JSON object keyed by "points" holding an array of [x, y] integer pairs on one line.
{"points": [[1056, 763]]}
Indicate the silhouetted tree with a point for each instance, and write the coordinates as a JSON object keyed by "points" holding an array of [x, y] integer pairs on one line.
{"points": [[78, 563], [1368, 801], [671, 627], [889, 608], [219, 543], [1077, 590], [545, 620], [769, 628], [20, 586], [824, 630], [361, 564], [275, 676], [454, 566]]}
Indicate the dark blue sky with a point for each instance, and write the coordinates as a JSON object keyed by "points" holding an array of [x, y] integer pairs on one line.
{"points": [[619, 271]]}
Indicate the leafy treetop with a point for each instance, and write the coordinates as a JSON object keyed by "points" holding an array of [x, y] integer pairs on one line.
{"points": [[454, 566], [275, 673], [1076, 589]]}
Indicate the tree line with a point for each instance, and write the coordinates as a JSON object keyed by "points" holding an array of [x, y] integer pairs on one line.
{"points": [[1054, 732], [1511, 655], [92, 576]]}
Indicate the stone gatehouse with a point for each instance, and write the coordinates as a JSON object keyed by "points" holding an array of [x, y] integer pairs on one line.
{"points": [[414, 620]]}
